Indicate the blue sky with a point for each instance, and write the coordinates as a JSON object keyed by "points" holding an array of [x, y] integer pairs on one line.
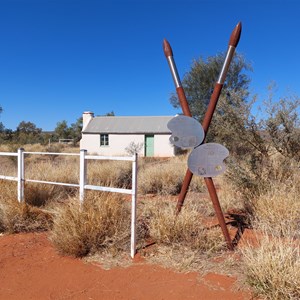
{"points": [[59, 58]]}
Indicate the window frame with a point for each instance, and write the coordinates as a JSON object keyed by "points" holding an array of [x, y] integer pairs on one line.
{"points": [[104, 139]]}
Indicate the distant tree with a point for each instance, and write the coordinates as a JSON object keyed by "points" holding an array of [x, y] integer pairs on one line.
{"points": [[27, 133], [110, 114], [62, 130], [6, 135], [28, 127], [75, 130]]}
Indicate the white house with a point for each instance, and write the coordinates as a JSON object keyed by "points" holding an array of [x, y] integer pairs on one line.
{"points": [[114, 135]]}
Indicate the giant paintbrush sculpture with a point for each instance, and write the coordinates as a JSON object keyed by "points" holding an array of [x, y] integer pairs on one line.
{"points": [[205, 160]]}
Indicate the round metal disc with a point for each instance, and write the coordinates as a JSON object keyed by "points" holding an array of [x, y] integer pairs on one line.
{"points": [[186, 132], [207, 160]]}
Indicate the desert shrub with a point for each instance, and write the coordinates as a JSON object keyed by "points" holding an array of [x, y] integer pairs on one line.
{"points": [[278, 211], [165, 177], [21, 217], [110, 173], [272, 269], [102, 222], [8, 190], [230, 199], [187, 229], [133, 148], [250, 180]]}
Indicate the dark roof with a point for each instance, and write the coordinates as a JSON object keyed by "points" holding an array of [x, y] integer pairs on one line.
{"points": [[138, 124]]}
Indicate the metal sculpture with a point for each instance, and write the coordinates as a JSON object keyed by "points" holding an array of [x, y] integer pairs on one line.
{"points": [[233, 42], [206, 160]]}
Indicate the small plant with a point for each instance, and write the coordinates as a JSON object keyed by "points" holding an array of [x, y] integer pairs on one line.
{"points": [[187, 229], [102, 222], [20, 217], [272, 269], [277, 212], [165, 177], [110, 173], [133, 148]]}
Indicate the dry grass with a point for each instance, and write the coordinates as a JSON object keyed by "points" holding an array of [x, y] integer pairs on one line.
{"points": [[230, 199], [182, 242], [272, 269], [187, 229], [18, 217], [102, 226], [110, 173], [278, 211], [102, 222], [165, 177]]}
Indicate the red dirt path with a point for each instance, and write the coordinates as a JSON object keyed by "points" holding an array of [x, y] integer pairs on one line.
{"points": [[30, 268]]}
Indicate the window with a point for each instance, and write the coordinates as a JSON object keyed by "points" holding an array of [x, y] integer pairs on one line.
{"points": [[104, 140]]}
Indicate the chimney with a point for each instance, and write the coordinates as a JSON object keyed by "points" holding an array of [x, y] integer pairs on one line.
{"points": [[87, 116]]}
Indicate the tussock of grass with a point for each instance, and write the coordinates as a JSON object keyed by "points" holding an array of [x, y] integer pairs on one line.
{"points": [[20, 217], [103, 221], [230, 199], [8, 190], [110, 173], [182, 242], [165, 177], [272, 269], [187, 229], [65, 170], [278, 211]]}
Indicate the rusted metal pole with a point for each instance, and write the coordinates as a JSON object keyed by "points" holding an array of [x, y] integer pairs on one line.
{"points": [[234, 39]]}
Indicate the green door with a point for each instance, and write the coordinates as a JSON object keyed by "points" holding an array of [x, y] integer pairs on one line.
{"points": [[149, 145]]}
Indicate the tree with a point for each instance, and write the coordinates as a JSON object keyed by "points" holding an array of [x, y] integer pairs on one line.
{"points": [[75, 130], [283, 126], [28, 133], [62, 130], [199, 83], [110, 114]]}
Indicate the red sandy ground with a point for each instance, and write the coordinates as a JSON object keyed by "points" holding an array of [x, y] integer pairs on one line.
{"points": [[30, 268]]}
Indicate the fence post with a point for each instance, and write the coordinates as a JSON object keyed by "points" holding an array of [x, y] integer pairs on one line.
{"points": [[133, 206], [82, 175], [21, 174]]}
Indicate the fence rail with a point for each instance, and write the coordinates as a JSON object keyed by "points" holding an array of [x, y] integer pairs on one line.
{"points": [[82, 185]]}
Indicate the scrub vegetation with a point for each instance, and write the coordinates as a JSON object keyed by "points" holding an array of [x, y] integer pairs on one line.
{"points": [[259, 193]]}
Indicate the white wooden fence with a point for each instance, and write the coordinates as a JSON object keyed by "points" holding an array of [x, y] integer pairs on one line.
{"points": [[82, 181]]}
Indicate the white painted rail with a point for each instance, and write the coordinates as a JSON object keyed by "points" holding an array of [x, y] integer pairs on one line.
{"points": [[82, 185]]}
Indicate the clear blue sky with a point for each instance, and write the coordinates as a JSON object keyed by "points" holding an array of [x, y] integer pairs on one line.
{"points": [[59, 58]]}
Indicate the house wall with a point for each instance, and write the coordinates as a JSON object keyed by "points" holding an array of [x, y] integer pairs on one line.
{"points": [[118, 143], [162, 145]]}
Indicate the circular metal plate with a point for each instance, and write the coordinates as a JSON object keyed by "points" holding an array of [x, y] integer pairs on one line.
{"points": [[186, 132], [207, 160]]}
